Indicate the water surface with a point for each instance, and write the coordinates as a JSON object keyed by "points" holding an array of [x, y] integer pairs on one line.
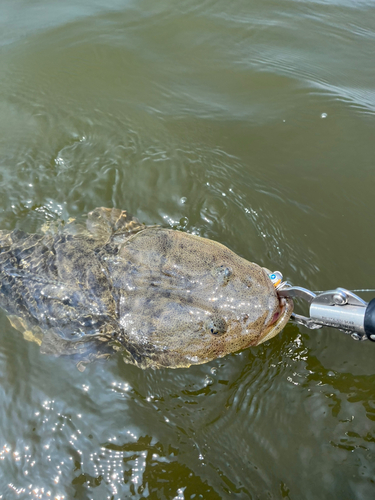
{"points": [[251, 123]]}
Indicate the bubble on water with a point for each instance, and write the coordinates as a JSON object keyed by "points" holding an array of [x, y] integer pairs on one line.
{"points": [[323, 115], [184, 221], [213, 370], [183, 200], [208, 381], [180, 494]]}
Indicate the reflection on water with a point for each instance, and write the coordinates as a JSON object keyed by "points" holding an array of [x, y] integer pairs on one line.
{"points": [[248, 123], [212, 430]]}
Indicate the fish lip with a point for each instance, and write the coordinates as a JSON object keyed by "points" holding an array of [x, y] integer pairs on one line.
{"points": [[277, 324]]}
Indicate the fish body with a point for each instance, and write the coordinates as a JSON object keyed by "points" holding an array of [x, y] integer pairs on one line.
{"points": [[163, 297]]}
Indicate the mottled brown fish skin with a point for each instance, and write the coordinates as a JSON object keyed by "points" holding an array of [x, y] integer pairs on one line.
{"points": [[163, 297]]}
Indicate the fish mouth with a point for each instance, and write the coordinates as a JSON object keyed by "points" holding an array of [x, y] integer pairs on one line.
{"points": [[278, 320]]}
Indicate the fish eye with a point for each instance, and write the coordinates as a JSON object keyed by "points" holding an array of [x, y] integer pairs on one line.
{"points": [[223, 273], [216, 325]]}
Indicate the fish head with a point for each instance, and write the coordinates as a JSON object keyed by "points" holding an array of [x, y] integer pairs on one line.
{"points": [[188, 300]]}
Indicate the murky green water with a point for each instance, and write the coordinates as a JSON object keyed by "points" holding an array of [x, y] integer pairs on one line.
{"points": [[248, 122]]}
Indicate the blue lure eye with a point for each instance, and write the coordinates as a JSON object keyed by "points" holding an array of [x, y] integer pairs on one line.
{"points": [[276, 278]]}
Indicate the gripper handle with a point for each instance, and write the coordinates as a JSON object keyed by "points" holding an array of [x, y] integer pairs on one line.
{"points": [[369, 322]]}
